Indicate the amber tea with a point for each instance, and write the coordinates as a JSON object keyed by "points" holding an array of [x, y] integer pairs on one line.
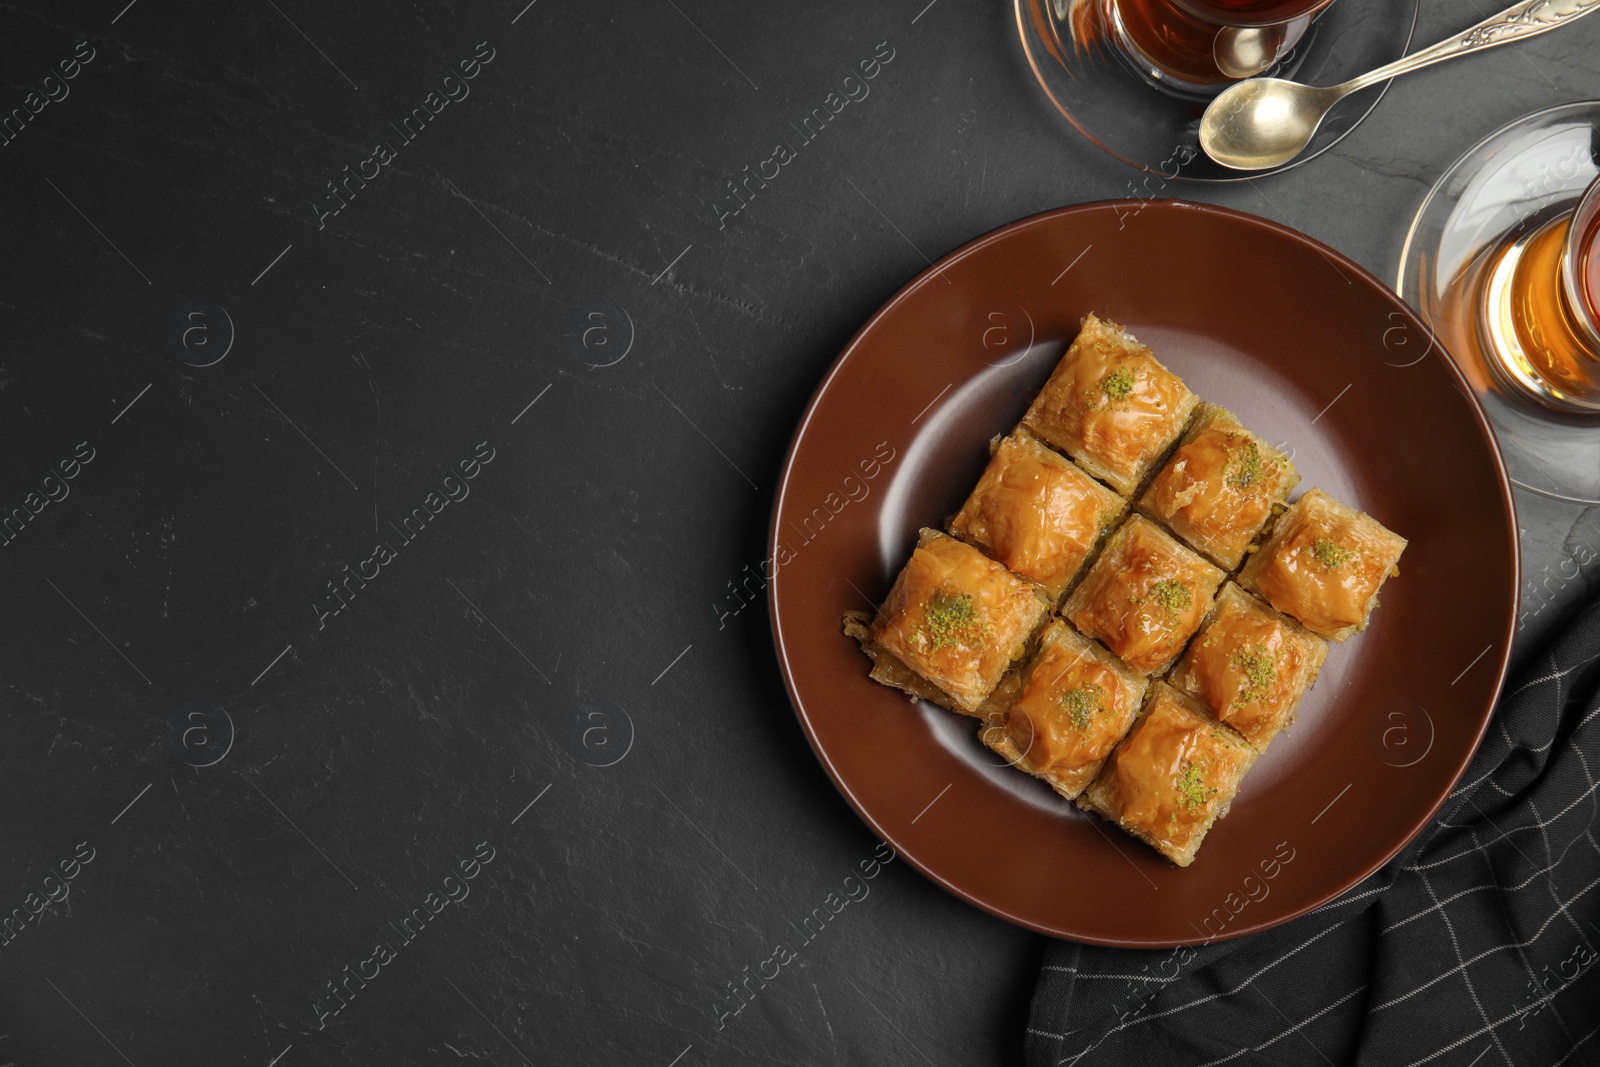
{"points": [[1174, 39], [1251, 12], [1542, 308], [1589, 276]]}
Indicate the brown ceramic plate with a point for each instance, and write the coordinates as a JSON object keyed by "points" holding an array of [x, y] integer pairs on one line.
{"points": [[1308, 350]]}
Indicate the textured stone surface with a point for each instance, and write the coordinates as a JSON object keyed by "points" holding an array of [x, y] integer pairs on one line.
{"points": [[267, 786]]}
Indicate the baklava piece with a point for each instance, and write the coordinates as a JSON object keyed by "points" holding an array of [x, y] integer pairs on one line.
{"points": [[1173, 777], [1110, 406], [951, 626], [1077, 702], [1250, 666], [1037, 513], [1324, 564], [1144, 597], [1219, 488]]}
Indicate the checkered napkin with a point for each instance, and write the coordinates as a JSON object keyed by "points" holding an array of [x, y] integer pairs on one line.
{"points": [[1479, 943]]}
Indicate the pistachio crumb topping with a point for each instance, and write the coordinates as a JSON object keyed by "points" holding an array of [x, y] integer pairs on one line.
{"points": [[1082, 702], [1244, 465], [1173, 596], [1192, 785], [1119, 383], [950, 620], [1329, 554], [1259, 672]]}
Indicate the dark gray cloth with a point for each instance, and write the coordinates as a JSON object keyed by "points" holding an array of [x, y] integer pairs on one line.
{"points": [[1479, 944]]}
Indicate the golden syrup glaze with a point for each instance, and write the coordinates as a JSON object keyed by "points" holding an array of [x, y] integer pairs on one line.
{"points": [[1037, 512], [1248, 666], [1110, 401], [957, 617], [1072, 711], [1145, 596], [1175, 771], [1218, 489], [1324, 563]]}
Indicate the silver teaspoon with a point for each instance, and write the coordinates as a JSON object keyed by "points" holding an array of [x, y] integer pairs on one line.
{"points": [[1265, 122]]}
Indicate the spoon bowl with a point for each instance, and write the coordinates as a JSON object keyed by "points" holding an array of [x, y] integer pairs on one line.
{"points": [[1263, 122]]}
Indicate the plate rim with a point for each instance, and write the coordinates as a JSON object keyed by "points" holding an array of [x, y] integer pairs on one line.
{"points": [[1159, 205]]}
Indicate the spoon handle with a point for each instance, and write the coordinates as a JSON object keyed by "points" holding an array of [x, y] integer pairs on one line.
{"points": [[1527, 19]]}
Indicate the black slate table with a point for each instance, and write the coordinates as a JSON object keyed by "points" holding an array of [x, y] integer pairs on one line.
{"points": [[377, 689]]}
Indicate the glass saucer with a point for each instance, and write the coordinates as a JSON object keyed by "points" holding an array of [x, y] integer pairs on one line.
{"points": [[1511, 182], [1096, 85]]}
